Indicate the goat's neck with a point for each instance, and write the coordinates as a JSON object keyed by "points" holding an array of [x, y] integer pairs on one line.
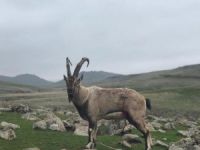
{"points": [[81, 95]]}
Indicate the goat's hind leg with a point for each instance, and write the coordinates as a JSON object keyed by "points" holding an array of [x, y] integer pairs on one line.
{"points": [[140, 124]]}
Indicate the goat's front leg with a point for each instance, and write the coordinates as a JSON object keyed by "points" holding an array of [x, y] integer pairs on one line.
{"points": [[92, 131]]}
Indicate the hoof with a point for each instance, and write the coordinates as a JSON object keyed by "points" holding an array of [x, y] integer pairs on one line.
{"points": [[90, 145]]}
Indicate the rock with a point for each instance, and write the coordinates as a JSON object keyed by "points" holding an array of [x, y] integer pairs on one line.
{"points": [[185, 144], [161, 131], [30, 116], [156, 125], [157, 119], [21, 108], [169, 126], [7, 134], [184, 133], [196, 147], [5, 109], [190, 132], [125, 144], [161, 143], [81, 130], [54, 127], [186, 122], [53, 119], [40, 125], [174, 147], [69, 126], [5, 125], [131, 138], [34, 148]]}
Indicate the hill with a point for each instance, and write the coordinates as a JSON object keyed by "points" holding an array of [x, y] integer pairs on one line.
{"points": [[89, 77], [27, 79], [182, 77], [6, 87]]}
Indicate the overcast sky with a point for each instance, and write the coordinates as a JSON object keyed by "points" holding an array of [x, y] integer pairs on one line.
{"points": [[121, 36]]}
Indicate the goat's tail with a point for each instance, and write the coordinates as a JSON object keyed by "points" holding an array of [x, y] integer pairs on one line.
{"points": [[148, 103]]}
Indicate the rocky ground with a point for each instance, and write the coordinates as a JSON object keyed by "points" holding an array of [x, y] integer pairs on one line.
{"points": [[67, 121]]}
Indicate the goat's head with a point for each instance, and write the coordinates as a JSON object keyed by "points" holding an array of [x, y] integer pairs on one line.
{"points": [[73, 81]]}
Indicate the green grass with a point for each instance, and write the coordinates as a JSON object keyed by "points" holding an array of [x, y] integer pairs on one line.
{"points": [[52, 140]]}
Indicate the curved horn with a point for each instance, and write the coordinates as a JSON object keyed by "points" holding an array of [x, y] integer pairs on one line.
{"points": [[68, 63], [79, 65]]}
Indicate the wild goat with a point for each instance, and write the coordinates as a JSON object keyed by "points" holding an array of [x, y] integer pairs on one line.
{"points": [[95, 103]]}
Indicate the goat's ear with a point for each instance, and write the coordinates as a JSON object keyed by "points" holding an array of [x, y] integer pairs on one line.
{"points": [[65, 78], [81, 77]]}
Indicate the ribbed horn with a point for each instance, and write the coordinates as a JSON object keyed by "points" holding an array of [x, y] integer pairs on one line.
{"points": [[68, 63], [79, 65]]}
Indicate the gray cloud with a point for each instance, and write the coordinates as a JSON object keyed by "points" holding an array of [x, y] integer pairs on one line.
{"points": [[118, 36]]}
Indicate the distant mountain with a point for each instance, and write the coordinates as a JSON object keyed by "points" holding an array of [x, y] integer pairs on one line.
{"points": [[26, 79], [182, 77], [90, 77]]}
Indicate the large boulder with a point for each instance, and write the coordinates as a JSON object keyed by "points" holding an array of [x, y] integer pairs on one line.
{"points": [[51, 121], [8, 134]]}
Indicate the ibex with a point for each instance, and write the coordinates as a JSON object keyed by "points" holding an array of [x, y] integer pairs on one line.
{"points": [[95, 103]]}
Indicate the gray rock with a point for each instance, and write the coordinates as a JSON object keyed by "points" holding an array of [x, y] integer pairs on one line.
{"points": [[54, 127], [131, 138], [21, 108], [185, 143], [5, 109], [81, 128], [174, 147], [186, 122], [169, 126], [5, 125], [53, 119], [40, 125], [34, 148], [30, 116], [161, 131], [51, 122], [156, 125], [69, 126], [8, 134], [184, 133], [196, 147], [125, 144], [161, 143]]}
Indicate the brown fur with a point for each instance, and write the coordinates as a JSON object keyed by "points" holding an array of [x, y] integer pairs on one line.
{"points": [[95, 103]]}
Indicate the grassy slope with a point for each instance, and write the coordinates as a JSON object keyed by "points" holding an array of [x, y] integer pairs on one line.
{"points": [[52, 140], [7, 87]]}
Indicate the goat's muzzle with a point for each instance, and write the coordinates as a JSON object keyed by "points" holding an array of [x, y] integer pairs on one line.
{"points": [[70, 94]]}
